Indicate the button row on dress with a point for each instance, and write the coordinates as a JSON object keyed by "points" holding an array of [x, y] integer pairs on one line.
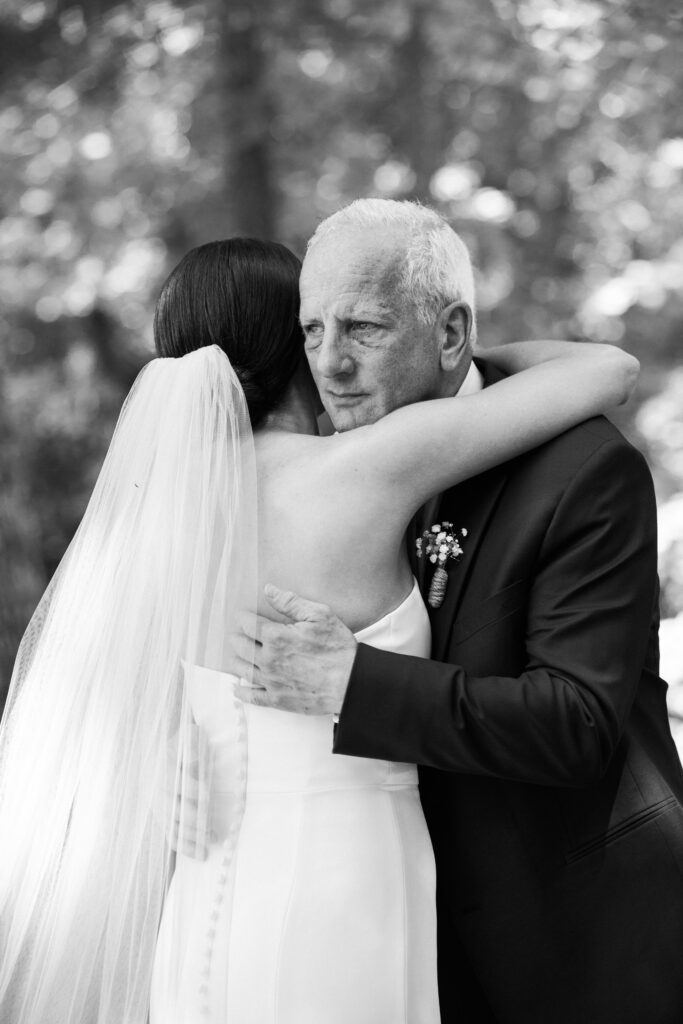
{"points": [[229, 847]]}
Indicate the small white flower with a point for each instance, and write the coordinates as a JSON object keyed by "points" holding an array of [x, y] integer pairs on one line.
{"points": [[440, 543]]}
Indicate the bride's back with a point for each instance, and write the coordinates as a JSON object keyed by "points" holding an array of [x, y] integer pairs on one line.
{"points": [[322, 532]]}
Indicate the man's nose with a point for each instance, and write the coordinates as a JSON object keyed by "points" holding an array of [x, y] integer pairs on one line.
{"points": [[334, 358]]}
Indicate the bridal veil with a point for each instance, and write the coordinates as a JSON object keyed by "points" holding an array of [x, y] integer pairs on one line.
{"points": [[100, 760]]}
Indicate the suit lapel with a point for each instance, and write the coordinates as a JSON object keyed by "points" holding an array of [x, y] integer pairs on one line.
{"points": [[470, 505]]}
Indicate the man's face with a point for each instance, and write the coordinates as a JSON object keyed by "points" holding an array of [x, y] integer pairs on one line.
{"points": [[367, 350]]}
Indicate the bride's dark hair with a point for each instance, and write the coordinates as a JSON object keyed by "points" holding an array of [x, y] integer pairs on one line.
{"points": [[241, 294]]}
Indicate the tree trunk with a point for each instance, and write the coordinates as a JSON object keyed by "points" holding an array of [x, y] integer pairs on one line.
{"points": [[250, 192], [418, 140]]}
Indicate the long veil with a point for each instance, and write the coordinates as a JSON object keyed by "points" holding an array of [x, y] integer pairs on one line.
{"points": [[98, 747]]}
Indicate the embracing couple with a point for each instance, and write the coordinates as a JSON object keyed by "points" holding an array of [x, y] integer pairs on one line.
{"points": [[467, 585]]}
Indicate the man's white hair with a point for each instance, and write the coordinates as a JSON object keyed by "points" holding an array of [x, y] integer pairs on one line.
{"points": [[437, 269]]}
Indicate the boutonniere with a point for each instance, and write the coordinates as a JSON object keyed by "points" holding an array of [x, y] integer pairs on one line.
{"points": [[439, 544]]}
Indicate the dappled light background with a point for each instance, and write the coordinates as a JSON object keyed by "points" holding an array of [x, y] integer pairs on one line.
{"points": [[549, 133]]}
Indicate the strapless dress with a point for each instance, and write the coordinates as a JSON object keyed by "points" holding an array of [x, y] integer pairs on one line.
{"points": [[316, 903]]}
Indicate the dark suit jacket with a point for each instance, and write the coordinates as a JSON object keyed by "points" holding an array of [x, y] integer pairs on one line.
{"points": [[549, 779]]}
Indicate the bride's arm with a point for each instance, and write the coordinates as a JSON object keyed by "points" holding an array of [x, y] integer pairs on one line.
{"points": [[516, 356], [421, 449]]}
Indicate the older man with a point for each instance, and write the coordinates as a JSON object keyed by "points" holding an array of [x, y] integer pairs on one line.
{"points": [[549, 778]]}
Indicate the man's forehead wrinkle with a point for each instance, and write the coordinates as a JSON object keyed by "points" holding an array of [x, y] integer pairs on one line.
{"points": [[348, 306], [380, 246], [343, 291], [353, 273]]}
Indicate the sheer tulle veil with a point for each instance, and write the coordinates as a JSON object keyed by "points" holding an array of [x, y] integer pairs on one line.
{"points": [[99, 755]]}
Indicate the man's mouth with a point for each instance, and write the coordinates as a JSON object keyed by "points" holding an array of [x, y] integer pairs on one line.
{"points": [[346, 397]]}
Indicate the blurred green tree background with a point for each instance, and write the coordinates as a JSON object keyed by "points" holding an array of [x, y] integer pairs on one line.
{"points": [[549, 133]]}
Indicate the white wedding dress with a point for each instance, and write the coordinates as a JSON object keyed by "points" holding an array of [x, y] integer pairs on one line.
{"points": [[317, 904]]}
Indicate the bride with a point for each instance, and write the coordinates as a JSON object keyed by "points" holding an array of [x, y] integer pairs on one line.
{"points": [[303, 890]]}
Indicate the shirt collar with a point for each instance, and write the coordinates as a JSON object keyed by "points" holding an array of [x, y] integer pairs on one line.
{"points": [[472, 383]]}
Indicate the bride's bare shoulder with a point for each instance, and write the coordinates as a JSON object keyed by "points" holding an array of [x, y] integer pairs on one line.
{"points": [[282, 452], [311, 472]]}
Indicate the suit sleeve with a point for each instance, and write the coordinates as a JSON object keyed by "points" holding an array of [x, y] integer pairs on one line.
{"points": [[590, 612]]}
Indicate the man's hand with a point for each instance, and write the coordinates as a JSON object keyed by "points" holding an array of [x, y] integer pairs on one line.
{"points": [[302, 665]]}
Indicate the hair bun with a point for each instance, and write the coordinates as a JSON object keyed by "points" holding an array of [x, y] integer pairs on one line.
{"points": [[242, 295], [254, 392]]}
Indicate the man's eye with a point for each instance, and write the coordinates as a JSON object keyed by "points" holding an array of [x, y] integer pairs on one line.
{"points": [[363, 325], [312, 331]]}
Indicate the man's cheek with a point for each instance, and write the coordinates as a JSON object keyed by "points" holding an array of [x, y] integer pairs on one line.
{"points": [[380, 403]]}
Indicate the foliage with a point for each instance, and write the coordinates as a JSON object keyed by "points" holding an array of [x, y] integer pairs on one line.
{"points": [[550, 133]]}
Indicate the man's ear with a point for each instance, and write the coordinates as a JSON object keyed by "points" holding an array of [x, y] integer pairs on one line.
{"points": [[455, 326]]}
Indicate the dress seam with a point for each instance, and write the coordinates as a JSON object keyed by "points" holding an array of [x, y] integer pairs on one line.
{"points": [[401, 846], [399, 836], [285, 916]]}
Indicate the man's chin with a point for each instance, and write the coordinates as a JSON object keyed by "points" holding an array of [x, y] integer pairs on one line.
{"points": [[349, 418]]}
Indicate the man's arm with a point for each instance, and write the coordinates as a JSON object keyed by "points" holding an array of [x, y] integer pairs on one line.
{"points": [[557, 723]]}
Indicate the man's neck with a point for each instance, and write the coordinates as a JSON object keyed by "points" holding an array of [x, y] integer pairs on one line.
{"points": [[472, 383]]}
